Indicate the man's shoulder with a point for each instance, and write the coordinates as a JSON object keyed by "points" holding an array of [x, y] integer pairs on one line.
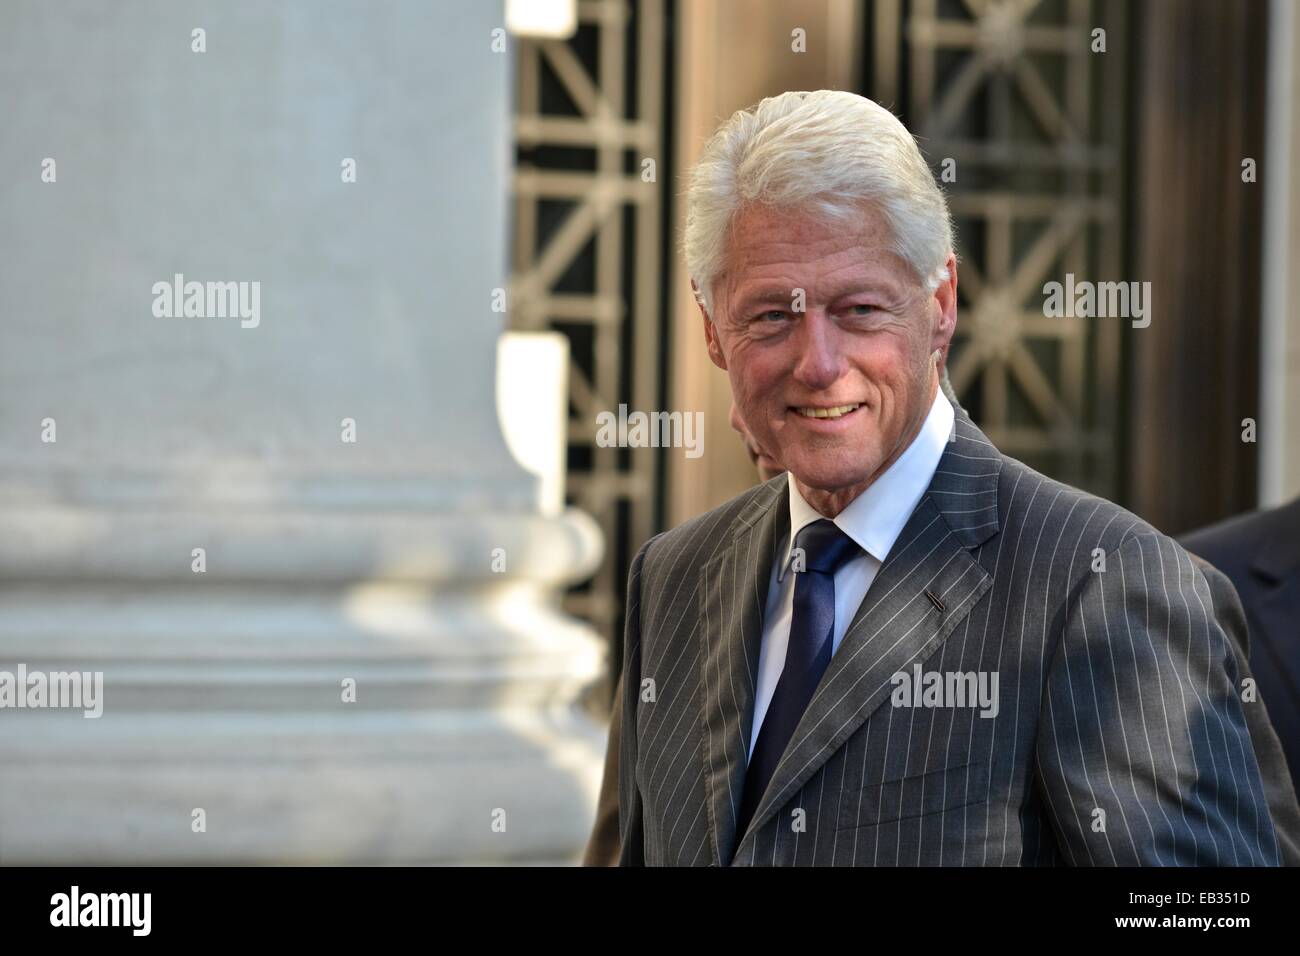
{"points": [[983, 492], [1084, 533], [699, 540], [1029, 500]]}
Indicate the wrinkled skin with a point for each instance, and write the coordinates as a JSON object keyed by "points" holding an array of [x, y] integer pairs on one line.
{"points": [[869, 335]]}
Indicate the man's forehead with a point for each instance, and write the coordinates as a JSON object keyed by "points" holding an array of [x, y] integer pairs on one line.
{"points": [[771, 252], [779, 285]]}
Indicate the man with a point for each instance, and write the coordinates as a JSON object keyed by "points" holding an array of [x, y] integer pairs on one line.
{"points": [[1266, 608], [910, 649], [1260, 553]]}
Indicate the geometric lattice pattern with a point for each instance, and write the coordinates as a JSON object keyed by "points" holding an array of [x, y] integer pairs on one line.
{"points": [[1031, 121], [587, 260]]}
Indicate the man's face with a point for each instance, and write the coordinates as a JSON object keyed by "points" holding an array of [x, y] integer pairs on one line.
{"points": [[834, 393]]}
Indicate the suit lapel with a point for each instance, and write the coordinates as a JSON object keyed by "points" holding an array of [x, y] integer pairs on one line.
{"points": [[898, 623], [733, 595]]}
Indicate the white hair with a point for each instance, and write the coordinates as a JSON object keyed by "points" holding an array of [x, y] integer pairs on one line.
{"points": [[823, 153]]}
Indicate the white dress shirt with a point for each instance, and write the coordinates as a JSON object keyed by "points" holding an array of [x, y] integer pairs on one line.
{"points": [[874, 519]]}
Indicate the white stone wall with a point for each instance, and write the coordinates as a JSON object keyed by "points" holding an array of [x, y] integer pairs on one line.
{"points": [[373, 560]]}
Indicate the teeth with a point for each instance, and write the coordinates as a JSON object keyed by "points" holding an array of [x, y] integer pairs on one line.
{"points": [[835, 412]]}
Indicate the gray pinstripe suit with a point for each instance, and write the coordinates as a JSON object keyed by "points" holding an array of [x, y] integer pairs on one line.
{"points": [[1119, 737]]}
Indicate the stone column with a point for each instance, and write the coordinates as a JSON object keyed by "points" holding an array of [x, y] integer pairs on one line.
{"points": [[333, 449]]}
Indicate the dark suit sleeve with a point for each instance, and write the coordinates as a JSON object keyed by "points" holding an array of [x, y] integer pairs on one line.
{"points": [[1279, 790], [630, 828], [602, 846], [1143, 755]]}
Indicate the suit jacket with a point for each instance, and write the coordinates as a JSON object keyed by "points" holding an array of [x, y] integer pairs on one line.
{"points": [[1119, 737], [1260, 553], [603, 845]]}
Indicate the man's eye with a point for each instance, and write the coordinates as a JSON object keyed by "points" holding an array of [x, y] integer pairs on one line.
{"points": [[773, 315], [862, 309]]}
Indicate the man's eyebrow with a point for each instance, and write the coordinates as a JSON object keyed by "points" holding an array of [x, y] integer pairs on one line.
{"points": [[770, 294]]}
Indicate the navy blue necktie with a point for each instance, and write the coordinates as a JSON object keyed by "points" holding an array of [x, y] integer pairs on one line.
{"points": [[812, 628]]}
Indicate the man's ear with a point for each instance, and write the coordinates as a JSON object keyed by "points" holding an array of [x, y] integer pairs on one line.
{"points": [[711, 340], [710, 333], [946, 298]]}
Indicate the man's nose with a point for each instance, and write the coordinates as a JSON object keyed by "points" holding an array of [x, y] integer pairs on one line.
{"points": [[820, 355]]}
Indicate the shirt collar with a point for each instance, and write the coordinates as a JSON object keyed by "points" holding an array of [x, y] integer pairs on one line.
{"points": [[875, 518]]}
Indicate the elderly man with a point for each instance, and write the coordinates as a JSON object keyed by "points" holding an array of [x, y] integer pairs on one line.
{"points": [[910, 649]]}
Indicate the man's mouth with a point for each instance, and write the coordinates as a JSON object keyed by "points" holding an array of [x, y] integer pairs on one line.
{"points": [[835, 411]]}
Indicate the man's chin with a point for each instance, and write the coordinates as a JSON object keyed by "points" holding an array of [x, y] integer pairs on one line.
{"points": [[830, 480]]}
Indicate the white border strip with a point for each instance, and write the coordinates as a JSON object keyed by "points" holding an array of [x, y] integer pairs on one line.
{"points": [[1278, 296]]}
